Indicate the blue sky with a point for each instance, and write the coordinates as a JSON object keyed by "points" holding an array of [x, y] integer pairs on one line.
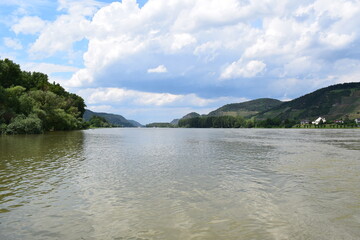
{"points": [[157, 60]]}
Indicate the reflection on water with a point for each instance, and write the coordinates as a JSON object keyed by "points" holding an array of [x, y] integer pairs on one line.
{"points": [[181, 184]]}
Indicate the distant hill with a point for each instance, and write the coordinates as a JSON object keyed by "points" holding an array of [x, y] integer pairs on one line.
{"points": [[246, 109], [336, 102], [135, 123], [175, 122], [191, 115], [112, 118], [339, 101]]}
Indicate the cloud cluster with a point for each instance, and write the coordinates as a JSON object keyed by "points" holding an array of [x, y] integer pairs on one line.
{"points": [[140, 105], [286, 47], [244, 39], [138, 98], [13, 43], [29, 25], [158, 69], [240, 70]]}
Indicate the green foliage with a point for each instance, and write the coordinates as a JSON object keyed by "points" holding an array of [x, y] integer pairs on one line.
{"points": [[233, 122], [160, 125], [3, 128], [99, 122], [22, 125], [213, 122], [30, 104], [10, 74]]}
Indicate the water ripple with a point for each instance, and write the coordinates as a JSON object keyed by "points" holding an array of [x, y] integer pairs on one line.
{"points": [[181, 184]]}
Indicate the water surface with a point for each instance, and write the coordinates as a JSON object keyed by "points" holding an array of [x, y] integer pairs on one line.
{"points": [[181, 184]]}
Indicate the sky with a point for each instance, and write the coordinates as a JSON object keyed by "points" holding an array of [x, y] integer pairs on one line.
{"points": [[156, 60]]}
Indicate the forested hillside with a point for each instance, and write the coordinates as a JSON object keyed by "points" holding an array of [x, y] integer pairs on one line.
{"points": [[340, 101], [246, 109], [30, 104]]}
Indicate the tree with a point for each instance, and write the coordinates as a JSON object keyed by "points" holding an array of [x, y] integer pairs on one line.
{"points": [[10, 73], [97, 121]]}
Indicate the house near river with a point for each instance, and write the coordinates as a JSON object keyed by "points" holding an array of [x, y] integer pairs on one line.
{"points": [[319, 120]]}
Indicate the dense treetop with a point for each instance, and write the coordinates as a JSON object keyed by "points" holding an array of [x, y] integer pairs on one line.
{"points": [[30, 104]]}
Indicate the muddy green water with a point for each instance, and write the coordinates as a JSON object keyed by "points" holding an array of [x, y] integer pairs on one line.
{"points": [[181, 184]]}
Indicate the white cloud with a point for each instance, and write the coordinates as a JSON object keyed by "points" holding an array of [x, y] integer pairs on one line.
{"points": [[301, 66], [29, 25], [159, 69], [337, 40], [208, 50], [80, 78], [182, 40], [49, 68], [200, 41], [60, 34], [160, 29], [101, 108], [240, 69], [197, 33], [105, 96], [80, 7], [13, 43], [142, 105], [119, 95]]}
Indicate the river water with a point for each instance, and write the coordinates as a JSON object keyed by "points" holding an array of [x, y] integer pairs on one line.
{"points": [[181, 184]]}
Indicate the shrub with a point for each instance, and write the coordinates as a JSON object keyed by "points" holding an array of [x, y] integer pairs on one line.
{"points": [[25, 125]]}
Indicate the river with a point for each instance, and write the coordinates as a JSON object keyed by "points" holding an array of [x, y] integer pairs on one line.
{"points": [[181, 184]]}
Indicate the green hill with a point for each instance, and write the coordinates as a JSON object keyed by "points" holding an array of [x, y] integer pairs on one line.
{"points": [[246, 109], [135, 123], [114, 119], [339, 101], [175, 122], [191, 115]]}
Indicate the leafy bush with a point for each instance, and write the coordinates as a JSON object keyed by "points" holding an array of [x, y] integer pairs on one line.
{"points": [[97, 121], [21, 125], [3, 127]]}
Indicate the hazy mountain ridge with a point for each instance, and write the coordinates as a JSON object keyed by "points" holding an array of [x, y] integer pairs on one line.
{"points": [[115, 119], [135, 123]]}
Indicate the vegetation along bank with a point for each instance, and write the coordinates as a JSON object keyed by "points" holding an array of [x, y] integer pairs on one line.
{"points": [[30, 104]]}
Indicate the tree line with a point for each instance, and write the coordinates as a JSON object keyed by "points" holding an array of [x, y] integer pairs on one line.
{"points": [[233, 122], [99, 122], [30, 104]]}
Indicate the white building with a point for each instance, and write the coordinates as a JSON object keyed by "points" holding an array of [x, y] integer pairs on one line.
{"points": [[317, 121]]}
